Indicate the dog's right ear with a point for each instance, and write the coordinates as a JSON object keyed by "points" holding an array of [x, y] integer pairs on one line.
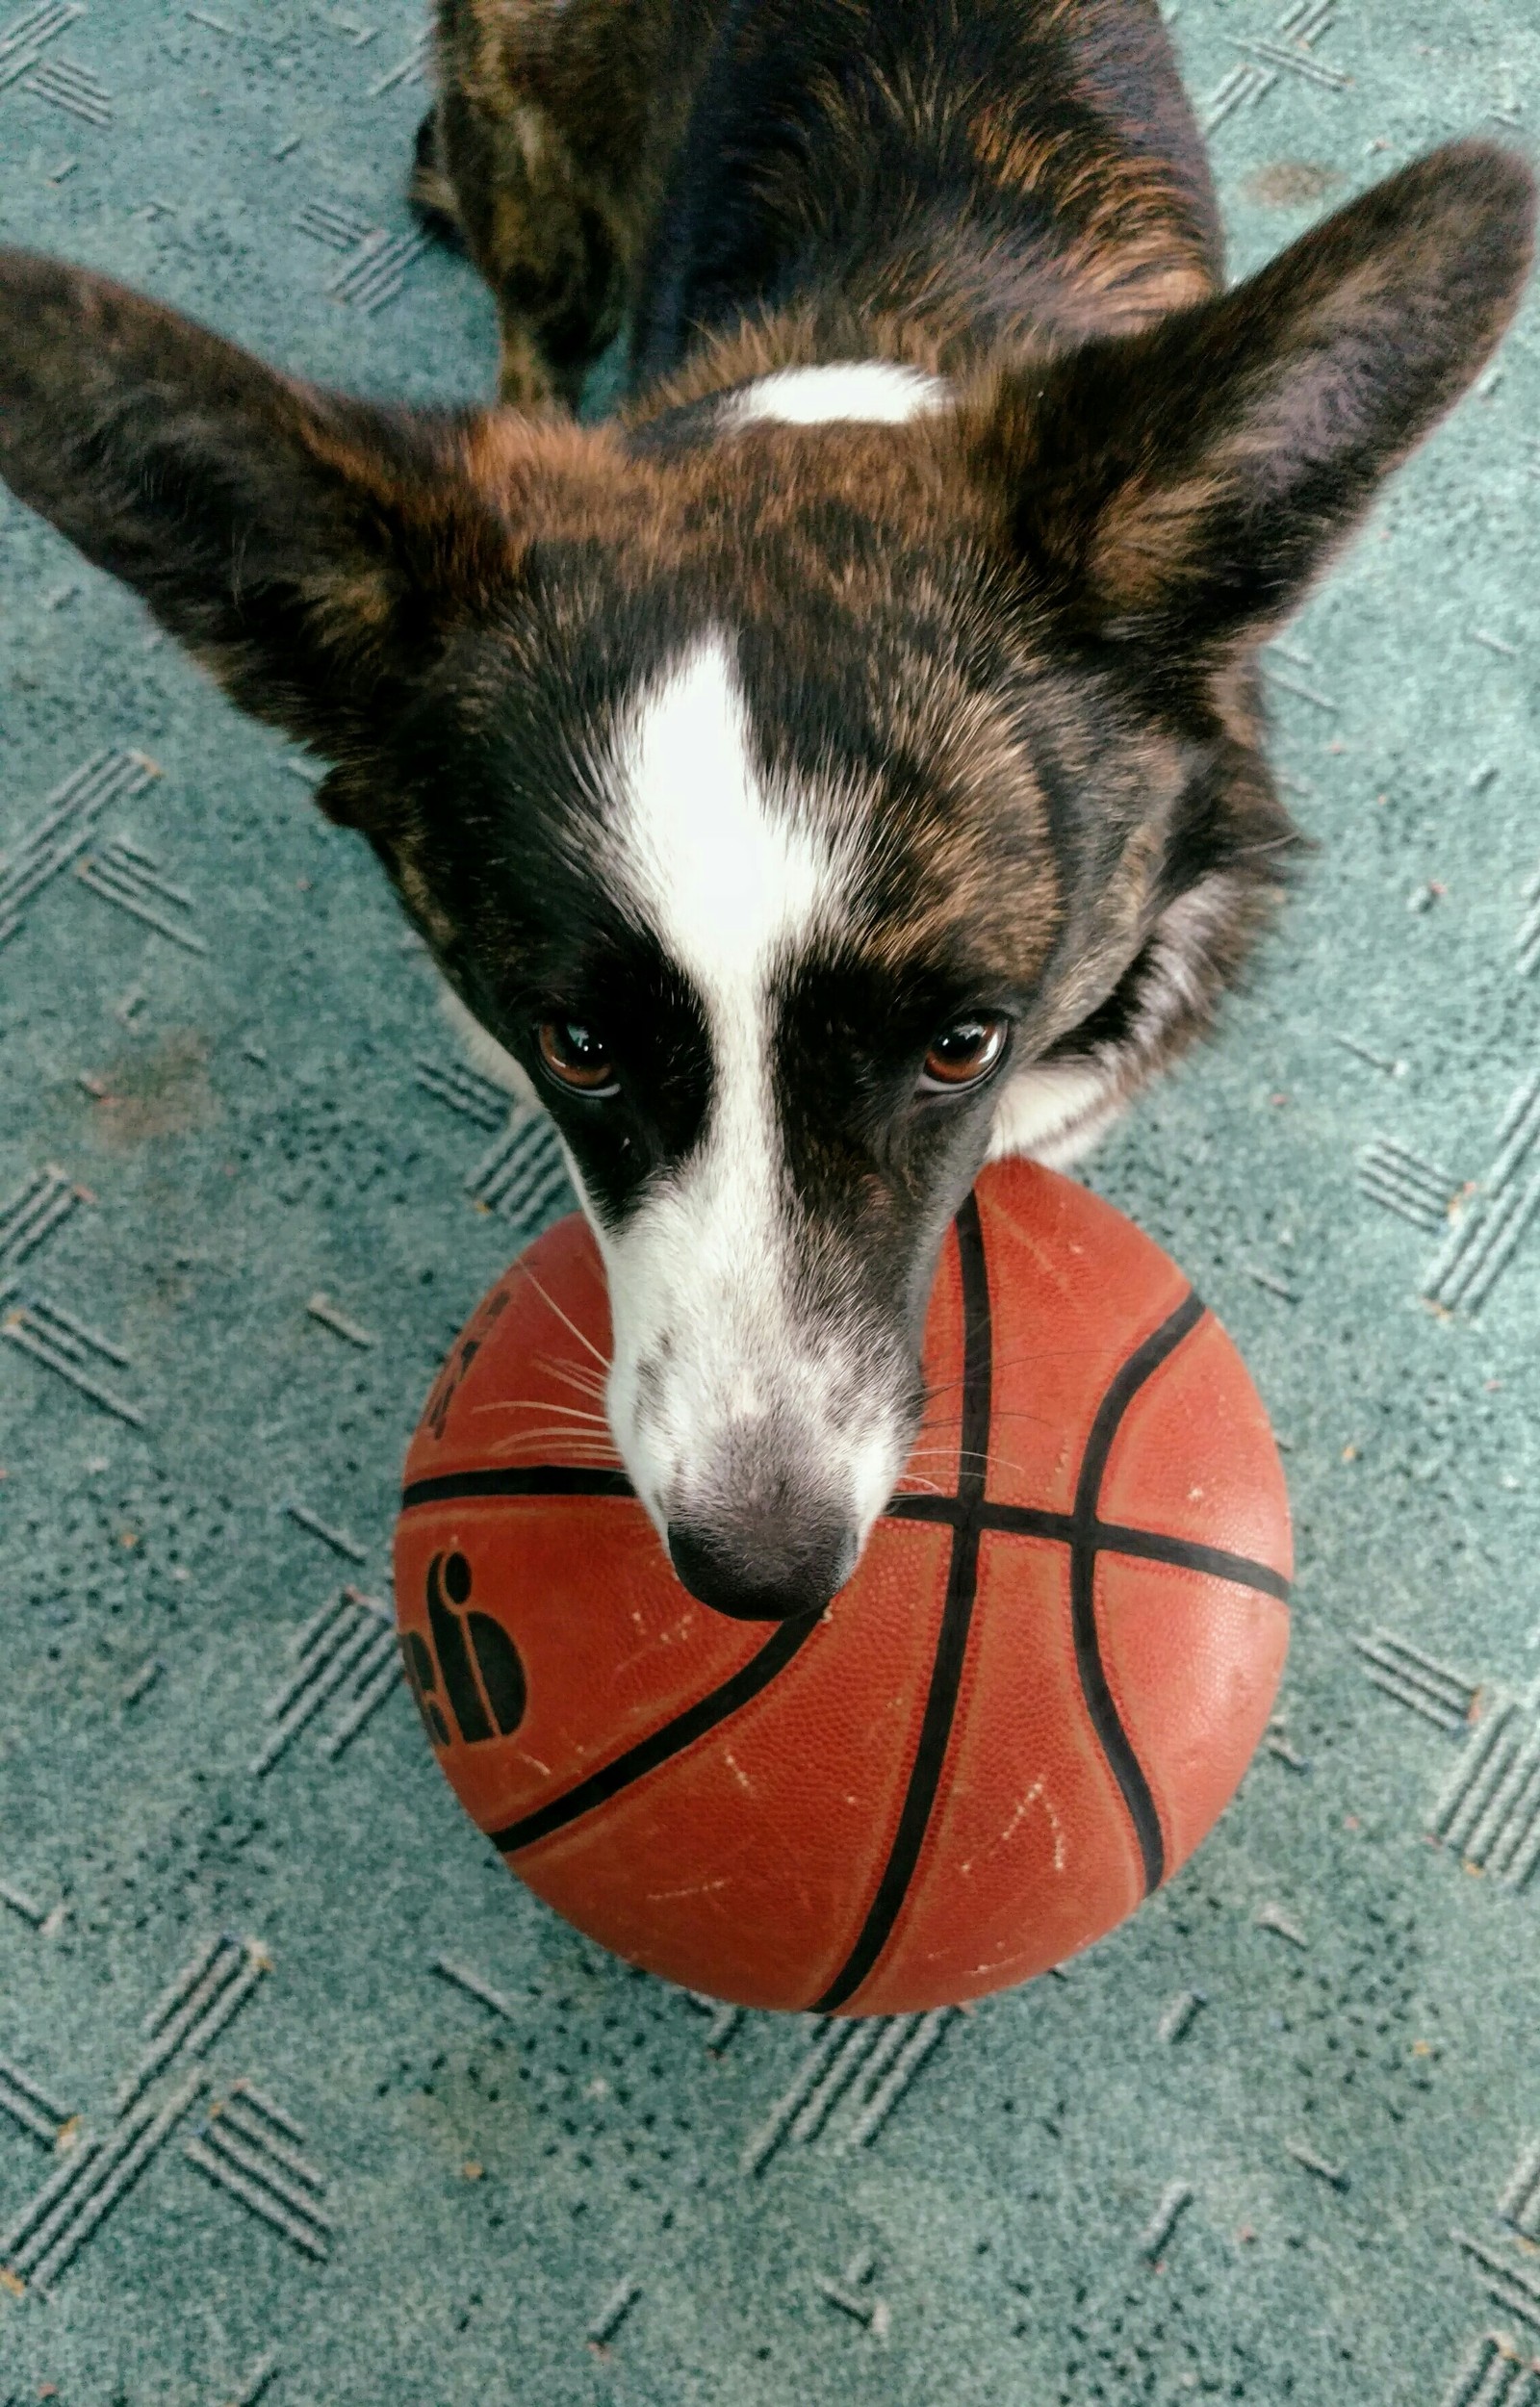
{"points": [[1176, 490], [313, 552]]}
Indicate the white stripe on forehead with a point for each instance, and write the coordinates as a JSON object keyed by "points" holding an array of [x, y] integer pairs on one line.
{"points": [[735, 880], [880, 391], [723, 873]]}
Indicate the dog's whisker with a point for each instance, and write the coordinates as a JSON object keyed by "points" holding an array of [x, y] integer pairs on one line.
{"points": [[1009, 1361], [593, 1432], [567, 1324], [576, 1375], [967, 1453], [560, 1415], [928, 1428], [574, 1446]]}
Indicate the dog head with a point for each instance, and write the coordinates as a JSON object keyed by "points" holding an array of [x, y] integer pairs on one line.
{"points": [[811, 809]]}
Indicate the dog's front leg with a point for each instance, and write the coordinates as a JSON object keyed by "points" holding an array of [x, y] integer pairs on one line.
{"points": [[547, 146]]}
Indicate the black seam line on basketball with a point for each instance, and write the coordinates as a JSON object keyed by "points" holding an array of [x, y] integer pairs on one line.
{"points": [[1115, 1744], [1150, 1545], [664, 1743], [1025, 1521], [956, 1616], [1029, 1521], [536, 1479]]}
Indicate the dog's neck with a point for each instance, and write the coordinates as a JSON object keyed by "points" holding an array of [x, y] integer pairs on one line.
{"points": [[848, 192]]}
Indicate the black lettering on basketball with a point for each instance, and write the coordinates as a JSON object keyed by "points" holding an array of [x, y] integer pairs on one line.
{"points": [[482, 1672], [454, 1659], [421, 1679], [497, 1659]]}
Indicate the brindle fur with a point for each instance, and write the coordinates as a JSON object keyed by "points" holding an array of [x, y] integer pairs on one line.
{"points": [[1010, 642]]}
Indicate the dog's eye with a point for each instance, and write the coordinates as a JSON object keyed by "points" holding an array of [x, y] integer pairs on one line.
{"points": [[576, 1057], [965, 1054]]}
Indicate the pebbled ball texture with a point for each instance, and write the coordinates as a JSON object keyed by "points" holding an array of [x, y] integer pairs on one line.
{"points": [[1036, 1695]]}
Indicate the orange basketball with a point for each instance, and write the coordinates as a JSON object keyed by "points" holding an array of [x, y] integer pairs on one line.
{"points": [[1024, 1711]]}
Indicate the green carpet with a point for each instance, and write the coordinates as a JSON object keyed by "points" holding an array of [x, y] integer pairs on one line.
{"points": [[247, 1191]]}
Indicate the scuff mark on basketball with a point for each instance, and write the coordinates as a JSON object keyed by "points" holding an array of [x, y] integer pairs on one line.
{"points": [[1035, 1795]]}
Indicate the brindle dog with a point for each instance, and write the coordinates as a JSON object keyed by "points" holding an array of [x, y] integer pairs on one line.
{"points": [[846, 764]]}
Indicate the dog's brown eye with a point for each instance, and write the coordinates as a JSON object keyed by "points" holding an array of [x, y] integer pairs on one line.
{"points": [[575, 1054], [964, 1054]]}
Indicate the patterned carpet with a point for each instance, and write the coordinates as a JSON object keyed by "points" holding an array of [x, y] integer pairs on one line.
{"points": [[301, 2097]]}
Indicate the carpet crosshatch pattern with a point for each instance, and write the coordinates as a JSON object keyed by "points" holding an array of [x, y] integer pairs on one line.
{"points": [[301, 2098]]}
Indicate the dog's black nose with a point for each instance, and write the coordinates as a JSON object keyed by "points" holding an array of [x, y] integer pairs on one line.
{"points": [[776, 1580]]}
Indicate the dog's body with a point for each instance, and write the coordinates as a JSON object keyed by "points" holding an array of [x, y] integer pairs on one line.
{"points": [[846, 765], [750, 188]]}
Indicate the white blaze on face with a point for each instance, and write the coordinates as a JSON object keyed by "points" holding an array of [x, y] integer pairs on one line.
{"points": [[732, 882]]}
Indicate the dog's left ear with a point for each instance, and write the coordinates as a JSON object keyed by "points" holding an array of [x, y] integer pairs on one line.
{"points": [[312, 551], [1183, 485]]}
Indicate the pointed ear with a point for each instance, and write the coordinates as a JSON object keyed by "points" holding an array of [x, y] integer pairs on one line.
{"points": [[1184, 485], [312, 551]]}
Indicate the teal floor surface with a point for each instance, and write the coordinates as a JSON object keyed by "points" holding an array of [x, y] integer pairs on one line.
{"points": [[227, 1089]]}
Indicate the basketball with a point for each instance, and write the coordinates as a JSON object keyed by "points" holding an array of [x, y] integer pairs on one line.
{"points": [[1030, 1702]]}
